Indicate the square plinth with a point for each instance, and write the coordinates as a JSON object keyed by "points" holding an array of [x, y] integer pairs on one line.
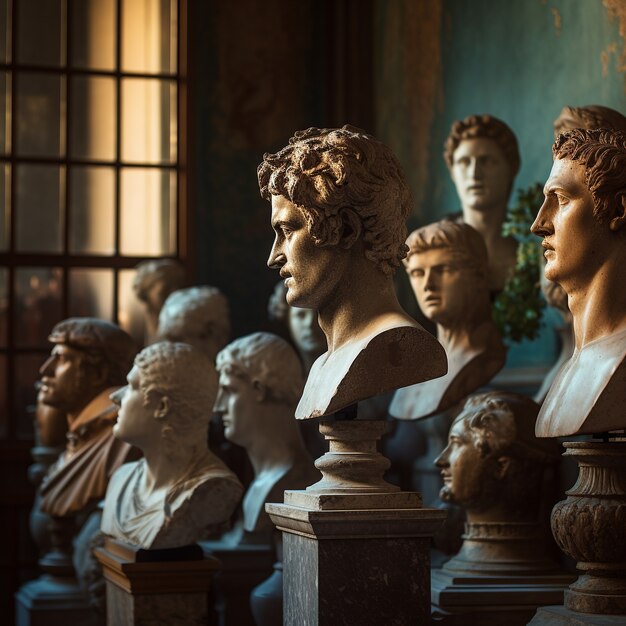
{"points": [[365, 566]]}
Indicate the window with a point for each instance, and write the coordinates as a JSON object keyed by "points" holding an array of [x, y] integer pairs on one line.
{"points": [[90, 175]]}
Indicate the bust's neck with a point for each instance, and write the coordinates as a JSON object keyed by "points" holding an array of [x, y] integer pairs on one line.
{"points": [[598, 306], [364, 300], [487, 221]]}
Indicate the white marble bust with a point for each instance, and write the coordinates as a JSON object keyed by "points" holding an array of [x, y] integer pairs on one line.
{"points": [[482, 155], [582, 224], [260, 383], [198, 316], [448, 268], [339, 205], [180, 492]]}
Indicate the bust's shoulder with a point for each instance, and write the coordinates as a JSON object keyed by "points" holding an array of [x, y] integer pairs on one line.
{"points": [[393, 355]]}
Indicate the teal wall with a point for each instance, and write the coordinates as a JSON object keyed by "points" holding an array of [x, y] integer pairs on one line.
{"points": [[520, 60], [404, 69]]}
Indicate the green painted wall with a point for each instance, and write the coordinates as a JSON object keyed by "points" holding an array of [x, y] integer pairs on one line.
{"points": [[520, 60]]}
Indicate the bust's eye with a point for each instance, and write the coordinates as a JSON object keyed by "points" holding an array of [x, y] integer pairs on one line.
{"points": [[561, 199]]}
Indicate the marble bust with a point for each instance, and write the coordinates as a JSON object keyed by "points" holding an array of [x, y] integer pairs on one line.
{"points": [[448, 269], [198, 316], [260, 383], [179, 492], [493, 465], [302, 324], [483, 158], [339, 204], [153, 282], [590, 116], [581, 224]]}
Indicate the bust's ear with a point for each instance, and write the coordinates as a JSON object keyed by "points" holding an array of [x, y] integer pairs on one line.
{"points": [[618, 221], [163, 407], [352, 227], [504, 465], [260, 390]]}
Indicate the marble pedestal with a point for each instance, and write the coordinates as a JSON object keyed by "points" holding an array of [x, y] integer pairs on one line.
{"points": [[356, 550], [499, 576], [156, 586], [55, 598], [243, 567], [590, 526]]}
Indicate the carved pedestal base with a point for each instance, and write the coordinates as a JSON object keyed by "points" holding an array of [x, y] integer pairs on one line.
{"points": [[242, 568], [55, 599], [499, 576], [356, 549], [590, 526], [139, 591]]}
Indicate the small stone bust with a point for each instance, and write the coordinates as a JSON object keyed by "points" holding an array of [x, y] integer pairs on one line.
{"points": [[482, 155], [259, 387], [582, 224], [302, 324], [180, 492], [339, 204], [448, 268], [153, 282], [198, 316], [493, 465]]}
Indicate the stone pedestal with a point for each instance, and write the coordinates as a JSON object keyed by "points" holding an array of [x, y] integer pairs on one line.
{"points": [[55, 598], [356, 549], [156, 586], [499, 576], [243, 567], [590, 526]]}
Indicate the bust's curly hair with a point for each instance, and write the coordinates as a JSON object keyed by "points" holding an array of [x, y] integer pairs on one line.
{"points": [[486, 126], [326, 172], [602, 153]]}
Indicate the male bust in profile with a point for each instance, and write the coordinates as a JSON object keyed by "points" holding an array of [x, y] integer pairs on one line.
{"points": [[483, 158], [339, 205], [448, 269], [198, 316], [179, 492], [259, 387], [493, 465], [582, 223], [89, 361]]}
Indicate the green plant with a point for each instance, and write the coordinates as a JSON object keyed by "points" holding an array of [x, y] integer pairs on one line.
{"points": [[518, 308]]}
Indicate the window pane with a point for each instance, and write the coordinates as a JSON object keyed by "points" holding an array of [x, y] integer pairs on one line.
{"points": [[41, 32], [40, 110], [4, 306], [39, 208], [93, 34], [5, 112], [5, 205], [149, 36], [130, 312], [148, 121], [93, 118], [25, 394], [148, 212], [91, 293], [92, 210], [37, 304], [5, 32]]}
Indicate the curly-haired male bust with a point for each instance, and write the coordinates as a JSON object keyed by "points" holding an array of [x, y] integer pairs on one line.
{"points": [[583, 226], [339, 205]]}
